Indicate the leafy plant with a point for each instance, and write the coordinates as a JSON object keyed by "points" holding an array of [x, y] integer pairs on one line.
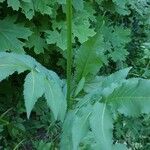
{"points": [[88, 39]]}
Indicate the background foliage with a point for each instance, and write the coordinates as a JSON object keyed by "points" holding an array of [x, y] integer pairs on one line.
{"points": [[108, 35]]}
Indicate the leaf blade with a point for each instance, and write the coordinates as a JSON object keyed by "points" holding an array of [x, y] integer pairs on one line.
{"points": [[102, 124], [33, 89]]}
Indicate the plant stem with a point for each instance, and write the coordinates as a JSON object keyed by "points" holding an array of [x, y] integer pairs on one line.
{"points": [[69, 51]]}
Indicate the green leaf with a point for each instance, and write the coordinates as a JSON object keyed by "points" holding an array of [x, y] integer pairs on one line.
{"points": [[100, 83], [15, 4], [66, 136], [81, 30], [80, 126], [43, 6], [61, 1], [10, 35], [81, 25], [102, 125], [79, 86], [132, 98], [119, 147], [99, 1], [89, 58], [9, 65], [28, 8], [75, 128], [122, 36], [38, 82], [41, 145], [78, 4], [36, 41], [54, 37], [115, 39], [117, 77], [121, 7], [55, 98], [33, 89]]}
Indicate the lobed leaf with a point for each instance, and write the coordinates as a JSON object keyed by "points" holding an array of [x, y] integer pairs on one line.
{"points": [[132, 98], [106, 84], [10, 35], [38, 82], [37, 42]]}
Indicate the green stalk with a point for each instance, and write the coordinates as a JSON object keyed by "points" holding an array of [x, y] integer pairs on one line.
{"points": [[69, 51]]}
